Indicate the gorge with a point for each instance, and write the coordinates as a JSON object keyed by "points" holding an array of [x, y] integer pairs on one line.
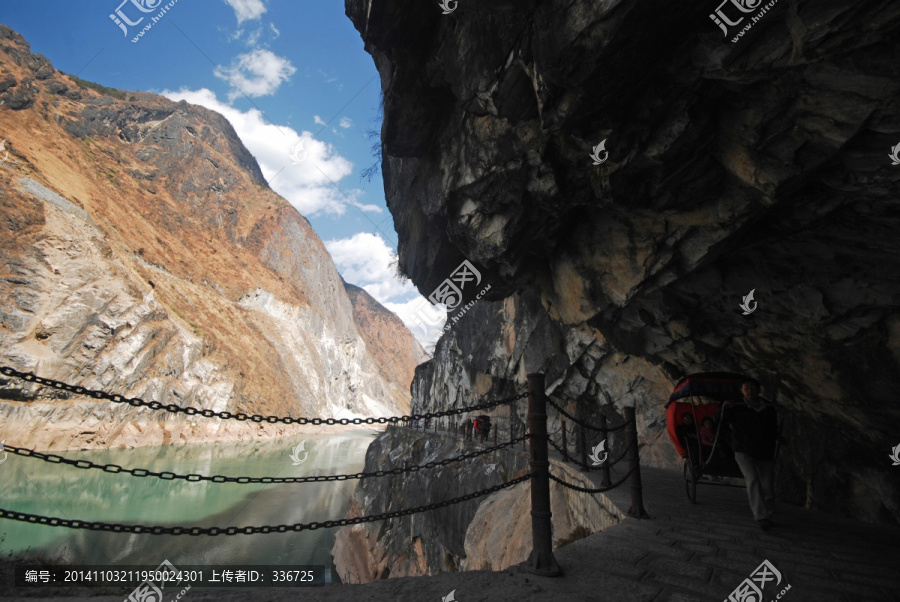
{"points": [[622, 177], [144, 254]]}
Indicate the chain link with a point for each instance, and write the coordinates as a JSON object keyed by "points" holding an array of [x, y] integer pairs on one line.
{"points": [[609, 429], [572, 458], [213, 531], [191, 411], [159, 530], [169, 476], [588, 489]]}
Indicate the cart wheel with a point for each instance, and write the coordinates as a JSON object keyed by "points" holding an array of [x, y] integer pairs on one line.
{"points": [[690, 481]]}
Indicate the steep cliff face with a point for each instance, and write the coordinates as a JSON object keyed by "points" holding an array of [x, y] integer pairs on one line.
{"points": [[390, 341], [760, 164], [143, 253], [493, 532]]}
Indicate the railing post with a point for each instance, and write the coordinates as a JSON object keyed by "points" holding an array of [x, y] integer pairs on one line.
{"points": [[565, 446], [496, 427], [583, 441], [604, 472], [634, 464], [541, 561]]}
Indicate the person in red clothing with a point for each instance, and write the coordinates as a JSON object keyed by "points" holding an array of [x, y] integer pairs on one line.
{"points": [[483, 426], [753, 428]]}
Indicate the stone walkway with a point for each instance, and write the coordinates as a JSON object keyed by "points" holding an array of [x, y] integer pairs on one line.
{"points": [[689, 552], [683, 553]]}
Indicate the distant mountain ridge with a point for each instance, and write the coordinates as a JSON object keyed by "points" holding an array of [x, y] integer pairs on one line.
{"points": [[141, 252], [379, 327]]}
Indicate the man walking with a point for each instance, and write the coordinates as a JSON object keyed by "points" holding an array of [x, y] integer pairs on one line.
{"points": [[753, 426]]}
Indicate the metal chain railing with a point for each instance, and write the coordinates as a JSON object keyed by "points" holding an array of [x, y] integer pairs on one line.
{"points": [[586, 425], [159, 530], [169, 476], [631, 452], [590, 490], [191, 411], [541, 560], [605, 464]]}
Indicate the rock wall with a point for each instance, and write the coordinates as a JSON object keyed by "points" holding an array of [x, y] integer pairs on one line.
{"points": [[756, 165], [142, 253], [493, 532], [499, 535], [384, 331]]}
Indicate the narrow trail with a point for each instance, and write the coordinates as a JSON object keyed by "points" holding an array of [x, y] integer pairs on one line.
{"points": [[683, 552]]}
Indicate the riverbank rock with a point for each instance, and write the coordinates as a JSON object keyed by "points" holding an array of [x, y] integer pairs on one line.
{"points": [[491, 532], [499, 535]]}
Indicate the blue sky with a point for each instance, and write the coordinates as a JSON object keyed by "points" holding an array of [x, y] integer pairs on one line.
{"points": [[293, 79]]}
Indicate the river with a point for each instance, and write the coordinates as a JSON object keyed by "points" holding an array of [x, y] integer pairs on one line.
{"points": [[37, 487]]}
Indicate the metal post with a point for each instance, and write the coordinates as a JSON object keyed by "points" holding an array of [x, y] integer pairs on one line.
{"points": [[583, 441], [634, 464], [565, 446], [604, 471], [541, 561], [496, 427]]}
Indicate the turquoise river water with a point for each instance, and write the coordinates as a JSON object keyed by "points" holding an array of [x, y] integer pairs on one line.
{"points": [[37, 487]]}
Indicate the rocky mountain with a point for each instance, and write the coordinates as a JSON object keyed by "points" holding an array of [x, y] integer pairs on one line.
{"points": [[143, 253], [379, 328], [624, 177]]}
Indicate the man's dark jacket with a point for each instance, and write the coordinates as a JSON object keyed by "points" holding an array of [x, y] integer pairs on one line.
{"points": [[753, 433]]}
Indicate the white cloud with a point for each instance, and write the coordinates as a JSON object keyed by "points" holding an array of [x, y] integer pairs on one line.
{"points": [[256, 73], [247, 10], [253, 37], [318, 120], [346, 122], [424, 320], [305, 185], [366, 261]]}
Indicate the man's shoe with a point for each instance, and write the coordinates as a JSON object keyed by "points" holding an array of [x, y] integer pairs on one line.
{"points": [[765, 524]]}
